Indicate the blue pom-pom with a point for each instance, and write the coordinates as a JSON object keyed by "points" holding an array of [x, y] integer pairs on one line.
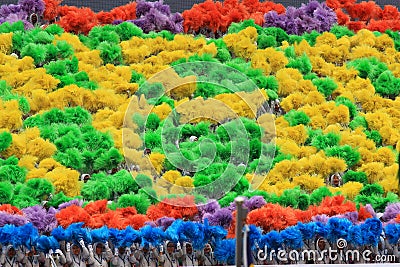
{"points": [[131, 236], [392, 232], [152, 235], [213, 234], [254, 235], [7, 234], [117, 237], [195, 233], [371, 230], [45, 243], [100, 234], [307, 230], [25, 235], [272, 240], [225, 251], [61, 234], [292, 237], [321, 229], [173, 231], [355, 236], [338, 228], [78, 232]]}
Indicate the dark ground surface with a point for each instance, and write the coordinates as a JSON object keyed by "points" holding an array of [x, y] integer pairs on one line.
{"points": [[176, 5]]}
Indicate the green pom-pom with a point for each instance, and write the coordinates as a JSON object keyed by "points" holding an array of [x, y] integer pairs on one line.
{"points": [[23, 201], [279, 34], [13, 173], [77, 115], [38, 188], [108, 160], [127, 30], [319, 194], [303, 64], [36, 51], [223, 55], [324, 141], [102, 34], [387, 85], [152, 122], [143, 180], [352, 176], [6, 192], [13, 160], [370, 68], [290, 52], [340, 31], [372, 189], [124, 183], [43, 37], [297, 117], [303, 201], [58, 199], [136, 77], [150, 193], [341, 100], [325, 86], [265, 41], [374, 136], [95, 190], [140, 202], [110, 53], [152, 140], [358, 121], [346, 152], [227, 199], [151, 90], [5, 140], [54, 29], [64, 49]]}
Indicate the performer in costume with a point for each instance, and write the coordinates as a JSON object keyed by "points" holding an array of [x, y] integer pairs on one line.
{"points": [[191, 257], [147, 256], [10, 257], [100, 255], [208, 254], [78, 256], [171, 256], [123, 257]]}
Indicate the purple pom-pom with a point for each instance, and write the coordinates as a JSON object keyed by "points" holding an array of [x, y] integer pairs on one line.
{"points": [[75, 201], [391, 211], [255, 202]]}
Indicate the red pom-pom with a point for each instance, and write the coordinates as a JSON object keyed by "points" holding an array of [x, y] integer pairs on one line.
{"points": [[10, 209], [363, 214], [390, 13], [51, 11], [342, 18], [96, 207], [72, 214], [137, 221]]}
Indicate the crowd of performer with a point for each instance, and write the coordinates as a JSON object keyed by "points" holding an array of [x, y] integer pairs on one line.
{"points": [[172, 254]]}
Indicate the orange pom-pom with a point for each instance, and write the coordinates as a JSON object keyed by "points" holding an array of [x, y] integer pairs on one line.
{"points": [[10, 209], [137, 221], [363, 214], [72, 214], [96, 207]]}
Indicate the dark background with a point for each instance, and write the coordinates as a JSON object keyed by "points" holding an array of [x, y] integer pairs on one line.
{"points": [[176, 5]]}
